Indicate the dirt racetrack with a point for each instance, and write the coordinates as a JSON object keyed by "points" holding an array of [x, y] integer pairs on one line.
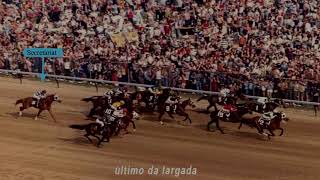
{"points": [[38, 150]]}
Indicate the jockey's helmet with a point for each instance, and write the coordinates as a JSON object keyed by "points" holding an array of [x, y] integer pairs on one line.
{"points": [[116, 104], [122, 103]]}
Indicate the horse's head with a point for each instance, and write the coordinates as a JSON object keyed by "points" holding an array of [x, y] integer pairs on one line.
{"points": [[53, 97], [135, 115], [56, 98], [189, 102], [282, 117]]}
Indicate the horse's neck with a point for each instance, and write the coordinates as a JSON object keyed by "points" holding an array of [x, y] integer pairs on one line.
{"points": [[184, 104], [49, 100]]}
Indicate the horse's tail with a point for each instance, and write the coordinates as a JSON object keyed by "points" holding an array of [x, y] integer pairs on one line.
{"points": [[78, 126], [88, 99], [20, 101], [202, 98]]}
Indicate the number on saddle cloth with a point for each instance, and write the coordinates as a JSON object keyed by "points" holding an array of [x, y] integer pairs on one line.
{"points": [[265, 119], [108, 111], [168, 108], [109, 100], [223, 113]]}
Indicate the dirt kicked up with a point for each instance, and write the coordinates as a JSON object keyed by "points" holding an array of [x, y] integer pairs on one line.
{"points": [[44, 150]]}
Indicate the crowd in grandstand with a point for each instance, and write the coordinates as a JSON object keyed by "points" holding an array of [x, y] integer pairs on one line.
{"points": [[270, 46]]}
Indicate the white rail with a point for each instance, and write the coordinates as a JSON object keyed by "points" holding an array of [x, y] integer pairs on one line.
{"points": [[141, 85]]}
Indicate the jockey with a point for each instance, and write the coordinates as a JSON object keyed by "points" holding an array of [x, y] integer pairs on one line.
{"points": [[152, 90], [263, 101], [225, 92], [141, 89], [39, 95], [117, 91], [109, 94]]}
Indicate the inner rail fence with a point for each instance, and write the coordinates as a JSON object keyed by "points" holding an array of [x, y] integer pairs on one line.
{"points": [[95, 82]]}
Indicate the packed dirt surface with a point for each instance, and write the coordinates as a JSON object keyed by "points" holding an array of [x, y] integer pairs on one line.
{"points": [[42, 149]]}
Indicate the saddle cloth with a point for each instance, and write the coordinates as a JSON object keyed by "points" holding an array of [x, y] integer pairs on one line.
{"points": [[266, 118], [224, 113]]}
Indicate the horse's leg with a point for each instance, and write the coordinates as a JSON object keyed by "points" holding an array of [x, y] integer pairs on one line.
{"points": [[281, 131], [271, 131], [87, 136], [187, 117], [36, 118], [96, 137], [100, 141], [218, 126], [209, 124], [50, 112], [21, 109], [160, 116], [315, 109], [91, 113], [215, 107], [170, 114], [240, 125], [134, 125], [208, 108]]}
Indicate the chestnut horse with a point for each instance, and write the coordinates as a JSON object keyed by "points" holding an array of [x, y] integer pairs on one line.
{"points": [[44, 104], [274, 124]]}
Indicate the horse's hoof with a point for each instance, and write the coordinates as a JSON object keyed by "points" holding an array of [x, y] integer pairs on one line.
{"points": [[161, 123], [36, 118], [134, 130], [20, 113]]}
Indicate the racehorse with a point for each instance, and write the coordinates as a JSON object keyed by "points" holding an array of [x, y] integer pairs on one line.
{"points": [[125, 121], [98, 102], [275, 124], [181, 108], [233, 117], [146, 97], [267, 107], [44, 104], [216, 99], [94, 129]]}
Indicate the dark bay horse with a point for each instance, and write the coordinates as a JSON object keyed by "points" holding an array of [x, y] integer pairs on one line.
{"points": [[269, 106], [98, 102], [275, 124], [233, 117], [216, 99], [181, 110], [94, 129], [44, 104]]}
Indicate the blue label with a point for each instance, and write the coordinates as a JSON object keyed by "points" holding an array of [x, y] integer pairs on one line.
{"points": [[43, 52]]}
